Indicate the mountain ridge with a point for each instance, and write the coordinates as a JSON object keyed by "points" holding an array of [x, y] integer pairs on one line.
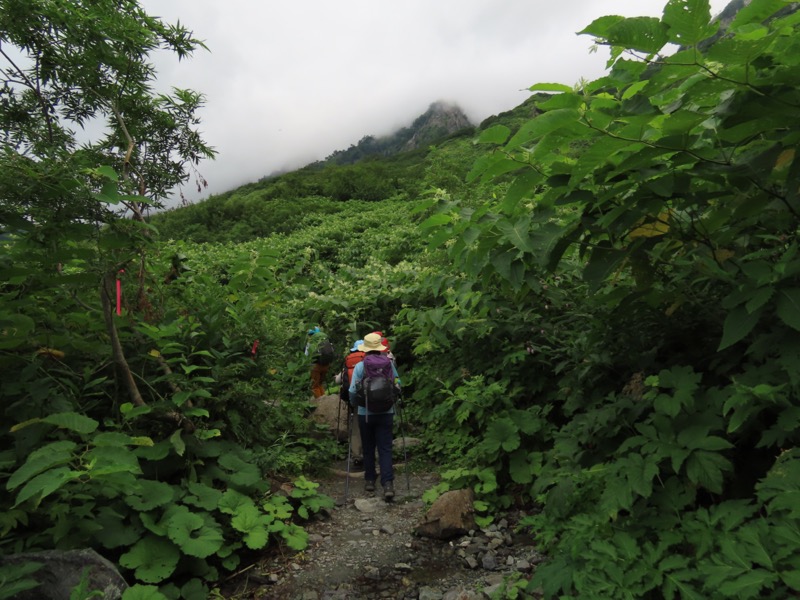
{"points": [[438, 122]]}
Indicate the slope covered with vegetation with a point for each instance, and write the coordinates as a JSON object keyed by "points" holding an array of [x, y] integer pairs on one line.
{"points": [[593, 300]]}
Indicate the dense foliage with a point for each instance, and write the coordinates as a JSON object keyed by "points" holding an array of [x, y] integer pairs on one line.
{"points": [[593, 305], [646, 250], [134, 416]]}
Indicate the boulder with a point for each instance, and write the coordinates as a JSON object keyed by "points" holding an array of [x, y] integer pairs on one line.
{"points": [[451, 515], [62, 570], [331, 412], [410, 442], [328, 412]]}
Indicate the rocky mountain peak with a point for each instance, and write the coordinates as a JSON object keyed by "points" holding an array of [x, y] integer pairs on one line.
{"points": [[440, 120]]}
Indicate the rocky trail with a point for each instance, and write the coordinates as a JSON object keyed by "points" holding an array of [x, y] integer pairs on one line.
{"points": [[366, 548]]}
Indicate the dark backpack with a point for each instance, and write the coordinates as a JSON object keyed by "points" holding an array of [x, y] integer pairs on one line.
{"points": [[325, 352], [377, 390]]}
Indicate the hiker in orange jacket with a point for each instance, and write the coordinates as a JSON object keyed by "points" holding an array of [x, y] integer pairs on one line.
{"points": [[343, 379]]}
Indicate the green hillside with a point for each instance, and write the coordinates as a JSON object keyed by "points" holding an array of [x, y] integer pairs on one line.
{"points": [[594, 301], [279, 204]]}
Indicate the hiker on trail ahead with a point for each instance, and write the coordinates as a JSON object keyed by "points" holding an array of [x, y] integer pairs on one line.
{"points": [[343, 379], [385, 342], [319, 347], [374, 388]]}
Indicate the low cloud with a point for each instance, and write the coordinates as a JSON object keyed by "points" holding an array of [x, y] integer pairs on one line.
{"points": [[287, 83]]}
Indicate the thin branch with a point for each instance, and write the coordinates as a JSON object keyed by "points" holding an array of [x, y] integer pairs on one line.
{"points": [[656, 146], [116, 346], [34, 87]]}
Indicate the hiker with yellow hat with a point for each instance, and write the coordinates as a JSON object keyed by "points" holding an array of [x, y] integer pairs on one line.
{"points": [[374, 388]]}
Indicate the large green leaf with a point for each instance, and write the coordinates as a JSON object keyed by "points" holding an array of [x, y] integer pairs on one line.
{"points": [[497, 134], [72, 421], [523, 186], [41, 459], [601, 26], [602, 263], [143, 592], [748, 585], [756, 11], [645, 34], [550, 87], [706, 469], [689, 21], [195, 534], [150, 494], [640, 472], [45, 484], [16, 330], [112, 459], [113, 438], [739, 51], [153, 558], [254, 525], [601, 152], [436, 220], [564, 118], [295, 537], [202, 495], [520, 468], [738, 323], [518, 233], [788, 307], [232, 502], [116, 528], [502, 433]]}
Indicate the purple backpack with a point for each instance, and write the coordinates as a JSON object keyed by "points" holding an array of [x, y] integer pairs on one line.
{"points": [[378, 391]]}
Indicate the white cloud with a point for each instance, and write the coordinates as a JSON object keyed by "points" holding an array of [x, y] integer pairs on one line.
{"points": [[287, 83]]}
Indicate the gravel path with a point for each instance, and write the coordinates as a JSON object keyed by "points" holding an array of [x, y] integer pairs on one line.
{"points": [[366, 549]]}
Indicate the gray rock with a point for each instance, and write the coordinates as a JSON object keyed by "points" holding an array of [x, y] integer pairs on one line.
{"points": [[451, 515], [489, 561], [472, 562], [397, 443], [327, 412], [428, 593], [494, 578], [368, 505], [61, 571], [462, 594]]}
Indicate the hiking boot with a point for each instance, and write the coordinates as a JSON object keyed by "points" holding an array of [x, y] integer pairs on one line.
{"points": [[369, 485], [388, 490]]}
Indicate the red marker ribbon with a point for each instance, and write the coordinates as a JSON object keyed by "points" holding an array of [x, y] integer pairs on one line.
{"points": [[119, 292]]}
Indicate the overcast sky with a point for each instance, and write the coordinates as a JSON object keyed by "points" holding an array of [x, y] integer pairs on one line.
{"points": [[289, 82]]}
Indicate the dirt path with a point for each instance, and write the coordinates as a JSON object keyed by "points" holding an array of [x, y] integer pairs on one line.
{"points": [[366, 549]]}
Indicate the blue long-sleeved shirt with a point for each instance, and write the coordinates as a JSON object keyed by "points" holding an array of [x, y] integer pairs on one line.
{"points": [[358, 375]]}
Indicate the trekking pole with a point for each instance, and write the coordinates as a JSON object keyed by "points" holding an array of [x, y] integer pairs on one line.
{"points": [[400, 411], [338, 416], [349, 449]]}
